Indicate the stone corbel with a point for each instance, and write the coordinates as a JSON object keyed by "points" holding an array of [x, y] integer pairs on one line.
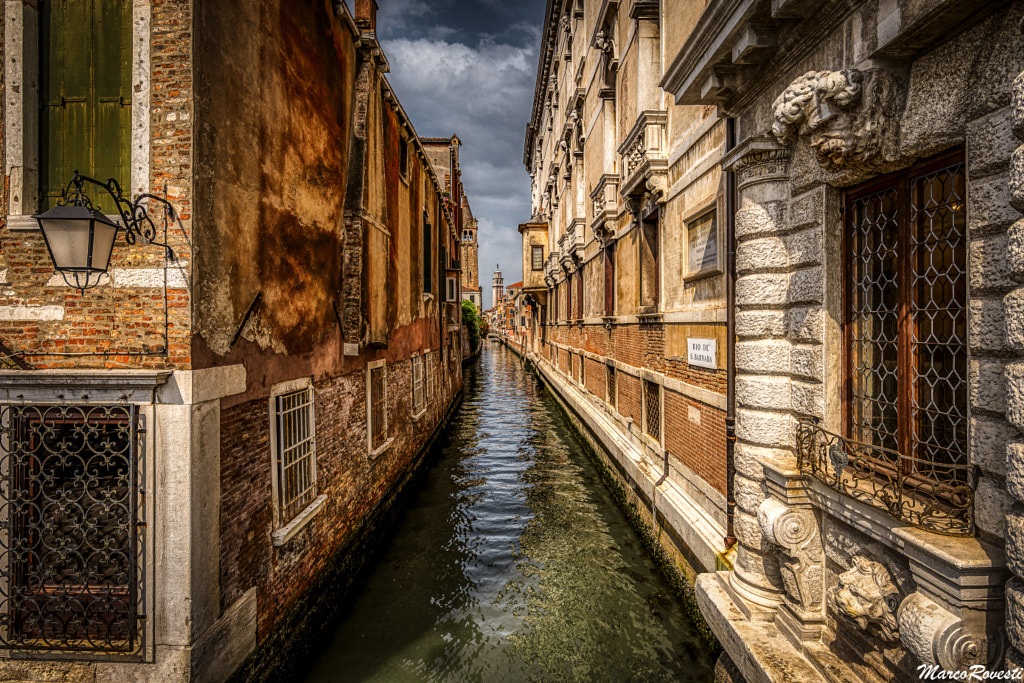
{"points": [[850, 118], [795, 530], [937, 637]]}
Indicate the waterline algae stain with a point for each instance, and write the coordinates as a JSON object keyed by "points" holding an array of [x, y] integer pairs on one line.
{"points": [[513, 563]]}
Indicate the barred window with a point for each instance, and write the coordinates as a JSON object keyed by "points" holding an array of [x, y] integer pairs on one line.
{"points": [[71, 563], [907, 320], [431, 384], [583, 370], [652, 410], [376, 403], [295, 451], [418, 386], [611, 393]]}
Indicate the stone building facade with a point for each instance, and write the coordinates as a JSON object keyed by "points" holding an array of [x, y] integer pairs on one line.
{"points": [[878, 332], [470, 250], [195, 453], [623, 260]]}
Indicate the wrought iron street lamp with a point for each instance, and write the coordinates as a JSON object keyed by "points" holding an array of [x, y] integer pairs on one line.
{"points": [[80, 239]]}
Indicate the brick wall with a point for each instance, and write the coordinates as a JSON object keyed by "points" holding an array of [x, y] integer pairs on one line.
{"points": [[353, 483], [630, 389], [128, 321], [695, 435]]}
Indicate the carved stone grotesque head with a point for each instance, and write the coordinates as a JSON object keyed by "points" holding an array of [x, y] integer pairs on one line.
{"points": [[849, 117], [867, 596]]}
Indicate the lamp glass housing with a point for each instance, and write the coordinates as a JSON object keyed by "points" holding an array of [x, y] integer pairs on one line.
{"points": [[80, 240]]}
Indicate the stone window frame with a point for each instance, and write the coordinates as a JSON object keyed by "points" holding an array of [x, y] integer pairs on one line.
{"points": [[689, 223], [534, 250], [417, 362], [372, 452], [21, 119], [286, 529], [899, 179]]}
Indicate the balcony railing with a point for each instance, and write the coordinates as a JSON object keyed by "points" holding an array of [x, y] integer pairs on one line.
{"points": [[644, 150], [935, 496]]}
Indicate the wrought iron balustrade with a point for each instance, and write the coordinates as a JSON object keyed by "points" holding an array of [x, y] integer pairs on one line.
{"points": [[932, 495], [71, 545]]}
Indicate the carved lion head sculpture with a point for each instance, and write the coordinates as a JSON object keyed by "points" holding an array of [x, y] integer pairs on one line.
{"points": [[849, 116], [867, 596]]}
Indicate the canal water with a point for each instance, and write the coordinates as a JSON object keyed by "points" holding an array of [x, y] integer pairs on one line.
{"points": [[512, 563]]}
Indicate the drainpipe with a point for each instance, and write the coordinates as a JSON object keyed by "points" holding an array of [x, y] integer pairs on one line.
{"points": [[730, 336]]}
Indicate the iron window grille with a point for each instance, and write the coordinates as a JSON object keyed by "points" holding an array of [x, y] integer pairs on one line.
{"points": [[378, 407], [572, 364], [906, 410], [296, 451], [72, 552], [610, 386], [583, 371], [652, 410], [418, 399]]}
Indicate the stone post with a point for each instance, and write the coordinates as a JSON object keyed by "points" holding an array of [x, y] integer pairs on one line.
{"points": [[762, 358]]}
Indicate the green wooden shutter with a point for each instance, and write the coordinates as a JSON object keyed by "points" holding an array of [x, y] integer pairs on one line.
{"points": [[85, 64]]}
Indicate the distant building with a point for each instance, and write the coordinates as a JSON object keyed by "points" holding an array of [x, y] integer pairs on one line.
{"points": [[470, 257], [497, 288]]}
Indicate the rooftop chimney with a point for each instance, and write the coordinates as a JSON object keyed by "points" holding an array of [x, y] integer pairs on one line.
{"points": [[366, 15]]}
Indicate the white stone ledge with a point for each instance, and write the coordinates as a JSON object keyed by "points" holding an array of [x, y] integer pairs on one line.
{"points": [[136, 277], [299, 521], [31, 312]]}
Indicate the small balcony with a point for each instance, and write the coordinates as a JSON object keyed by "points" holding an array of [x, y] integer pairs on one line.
{"points": [[644, 151], [574, 238], [605, 204]]}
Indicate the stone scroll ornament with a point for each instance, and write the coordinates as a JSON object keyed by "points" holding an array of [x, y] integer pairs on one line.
{"points": [[850, 117], [866, 596], [795, 530]]}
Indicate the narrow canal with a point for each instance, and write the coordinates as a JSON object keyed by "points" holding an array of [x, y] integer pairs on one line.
{"points": [[512, 563]]}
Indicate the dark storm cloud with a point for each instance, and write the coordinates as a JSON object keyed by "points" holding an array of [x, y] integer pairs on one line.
{"points": [[468, 68]]}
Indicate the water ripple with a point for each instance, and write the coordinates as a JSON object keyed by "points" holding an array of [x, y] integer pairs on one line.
{"points": [[512, 563]]}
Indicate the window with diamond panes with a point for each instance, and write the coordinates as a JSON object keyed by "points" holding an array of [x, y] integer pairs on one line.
{"points": [[652, 410], [296, 451], [907, 321]]}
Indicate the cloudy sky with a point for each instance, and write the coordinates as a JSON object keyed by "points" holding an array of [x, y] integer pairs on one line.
{"points": [[468, 67]]}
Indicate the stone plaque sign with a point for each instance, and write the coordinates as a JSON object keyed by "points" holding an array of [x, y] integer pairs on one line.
{"points": [[702, 244], [702, 352]]}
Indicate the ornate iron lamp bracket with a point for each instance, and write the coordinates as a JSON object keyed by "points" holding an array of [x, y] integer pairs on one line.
{"points": [[138, 224]]}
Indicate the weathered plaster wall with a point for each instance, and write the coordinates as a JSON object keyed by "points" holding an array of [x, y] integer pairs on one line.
{"points": [[270, 192]]}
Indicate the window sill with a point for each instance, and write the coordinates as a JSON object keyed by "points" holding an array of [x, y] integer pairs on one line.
{"points": [[299, 521], [427, 296], [701, 274], [380, 449], [416, 416]]}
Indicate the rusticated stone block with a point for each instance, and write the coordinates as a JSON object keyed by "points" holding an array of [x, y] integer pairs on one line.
{"points": [[1013, 315], [761, 219], [807, 210], [808, 398], [990, 208], [989, 266], [805, 248], [752, 324], [765, 429], [987, 385], [748, 493], [807, 361], [990, 142], [761, 254], [986, 321], [1016, 183], [762, 290], [1015, 251], [1015, 471], [807, 286], [1017, 107], [991, 503], [988, 443], [760, 391], [806, 324], [749, 459], [763, 357], [1014, 374], [1015, 612]]}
